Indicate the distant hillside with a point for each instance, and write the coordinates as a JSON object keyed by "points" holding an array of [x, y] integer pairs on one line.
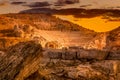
{"points": [[40, 21], [44, 28], [15, 28]]}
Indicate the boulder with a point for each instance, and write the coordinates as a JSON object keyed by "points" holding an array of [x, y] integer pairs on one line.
{"points": [[111, 68], [15, 59]]}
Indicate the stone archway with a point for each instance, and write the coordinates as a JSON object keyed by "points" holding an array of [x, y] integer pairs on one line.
{"points": [[52, 44]]}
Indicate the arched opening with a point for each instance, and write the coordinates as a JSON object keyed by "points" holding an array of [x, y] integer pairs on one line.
{"points": [[52, 44]]}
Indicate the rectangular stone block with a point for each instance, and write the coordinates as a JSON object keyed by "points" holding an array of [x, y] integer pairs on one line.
{"points": [[114, 55], [55, 55], [91, 54], [52, 54], [69, 55]]}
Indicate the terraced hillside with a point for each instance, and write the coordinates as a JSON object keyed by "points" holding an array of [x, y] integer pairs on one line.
{"points": [[40, 21], [51, 31], [36, 26]]}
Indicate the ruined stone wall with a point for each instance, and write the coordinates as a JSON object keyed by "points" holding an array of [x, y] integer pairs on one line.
{"points": [[28, 61], [81, 65]]}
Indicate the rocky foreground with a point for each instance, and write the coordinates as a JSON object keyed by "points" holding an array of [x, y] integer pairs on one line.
{"points": [[29, 61], [29, 50]]}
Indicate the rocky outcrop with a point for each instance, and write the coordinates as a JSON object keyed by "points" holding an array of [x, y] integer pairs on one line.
{"points": [[79, 65], [113, 40], [28, 61], [98, 42], [66, 69], [23, 31], [16, 58]]}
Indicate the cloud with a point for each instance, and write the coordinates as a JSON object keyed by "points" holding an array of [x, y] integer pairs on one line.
{"points": [[39, 4], [76, 12], [66, 2], [17, 3]]}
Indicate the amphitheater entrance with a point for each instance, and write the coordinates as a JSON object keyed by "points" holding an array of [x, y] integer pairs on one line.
{"points": [[52, 44]]}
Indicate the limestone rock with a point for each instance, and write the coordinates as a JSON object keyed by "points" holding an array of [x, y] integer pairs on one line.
{"points": [[14, 58]]}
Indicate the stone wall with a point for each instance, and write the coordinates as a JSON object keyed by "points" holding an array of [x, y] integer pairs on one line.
{"points": [[80, 64], [28, 61]]}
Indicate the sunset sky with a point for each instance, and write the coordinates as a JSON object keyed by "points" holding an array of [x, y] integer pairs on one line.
{"points": [[6, 6], [16, 6]]}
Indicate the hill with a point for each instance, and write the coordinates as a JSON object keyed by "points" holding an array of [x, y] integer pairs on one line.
{"points": [[39, 21], [36, 26]]}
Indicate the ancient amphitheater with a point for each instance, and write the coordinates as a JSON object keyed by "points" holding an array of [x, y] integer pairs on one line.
{"points": [[31, 53]]}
